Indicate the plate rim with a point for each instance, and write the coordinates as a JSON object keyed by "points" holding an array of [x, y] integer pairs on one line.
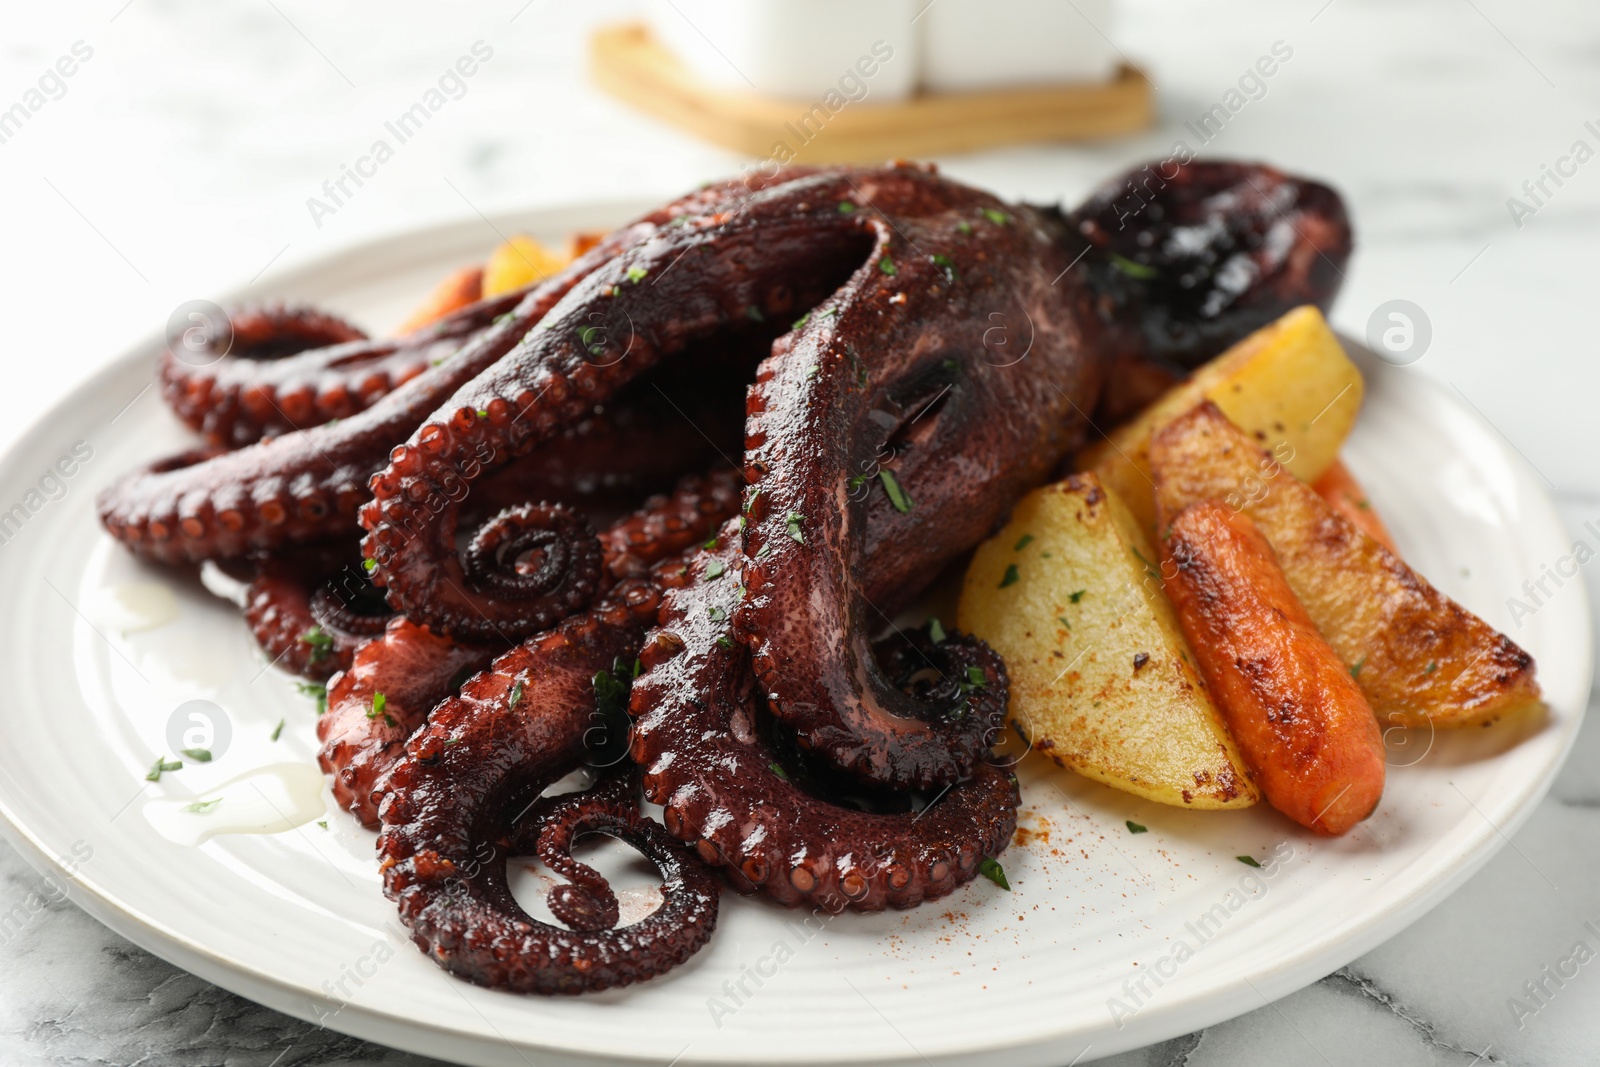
{"points": [[1293, 970]]}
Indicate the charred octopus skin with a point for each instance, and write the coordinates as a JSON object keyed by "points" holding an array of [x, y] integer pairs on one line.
{"points": [[905, 357]]}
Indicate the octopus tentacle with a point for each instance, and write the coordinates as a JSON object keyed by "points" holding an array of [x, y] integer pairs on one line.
{"points": [[892, 435], [717, 272], [311, 609], [695, 707], [415, 669], [480, 762], [306, 485]]}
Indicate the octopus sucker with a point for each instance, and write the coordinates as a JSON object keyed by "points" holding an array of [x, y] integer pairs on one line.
{"points": [[884, 360]]}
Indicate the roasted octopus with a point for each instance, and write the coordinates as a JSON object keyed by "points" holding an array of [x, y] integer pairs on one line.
{"points": [[655, 516]]}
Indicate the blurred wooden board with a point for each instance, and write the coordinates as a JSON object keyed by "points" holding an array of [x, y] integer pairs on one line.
{"points": [[627, 62]]}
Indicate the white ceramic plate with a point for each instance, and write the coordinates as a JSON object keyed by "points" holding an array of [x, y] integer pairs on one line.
{"points": [[1107, 941]]}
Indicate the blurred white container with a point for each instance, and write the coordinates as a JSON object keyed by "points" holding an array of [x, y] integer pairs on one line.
{"points": [[797, 48], [970, 45]]}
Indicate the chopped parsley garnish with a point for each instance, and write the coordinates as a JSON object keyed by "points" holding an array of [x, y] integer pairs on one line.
{"points": [[943, 262], [794, 520], [586, 334], [936, 632], [1022, 542], [1248, 861], [1135, 828], [277, 731], [1075, 597], [801, 321], [516, 693], [725, 642], [1062, 619], [779, 771], [199, 755], [887, 266], [483, 413], [637, 274], [990, 868], [1133, 269], [716, 614], [369, 565], [856, 481], [611, 689], [964, 226], [317, 691], [846, 207], [1355, 669], [715, 569], [203, 807], [322, 823], [379, 702], [321, 643], [1430, 668], [999, 218], [160, 766], [976, 679], [897, 496], [1011, 576], [498, 319]]}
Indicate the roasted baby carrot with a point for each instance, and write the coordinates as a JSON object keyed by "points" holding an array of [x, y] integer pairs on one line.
{"points": [[461, 288], [1299, 718], [1346, 496]]}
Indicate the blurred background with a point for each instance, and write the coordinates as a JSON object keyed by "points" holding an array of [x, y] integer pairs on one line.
{"points": [[188, 151]]}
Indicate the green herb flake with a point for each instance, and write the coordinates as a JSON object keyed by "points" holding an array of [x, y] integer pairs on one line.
{"points": [[317, 691], [1430, 668], [990, 868], [793, 520], [516, 693], [976, 678], [369, 565], [999, 218], [1022, 542], [1011, 576], [1135, 828], [801, 321], [716, 614], [498, 319], [779, 771], [1075, 597], [199, 755], [754, 314], [1355, 670], [203, 807], [897, 496], [887, 266], [1133, 269], [936, 632], [964, 226], [277, 731], [725, 642], [943, 263], [320, 642], [1062, 619], [856, 481], [637, 274], [160, 766], [846, 208], [1248, 861], [379, 701], [715, 569]]}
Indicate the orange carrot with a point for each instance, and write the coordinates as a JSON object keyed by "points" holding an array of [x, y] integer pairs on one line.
{"points": [[1344, 494], [1298, 716], [461, 288]]}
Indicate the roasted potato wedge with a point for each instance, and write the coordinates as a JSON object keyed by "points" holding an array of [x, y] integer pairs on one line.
{"points": [[1344, 494], [1418, 655], [1289, 384], [520, 261], [1301, 721], [1101, 679]]}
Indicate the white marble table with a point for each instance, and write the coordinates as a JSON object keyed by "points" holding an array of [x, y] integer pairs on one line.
{"points": [[178, 160]]}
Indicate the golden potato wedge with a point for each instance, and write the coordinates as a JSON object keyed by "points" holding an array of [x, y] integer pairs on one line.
{"points": [[1344, 494], [1101, 679], [520, 261], [1289, 384], [1418, 655]]}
